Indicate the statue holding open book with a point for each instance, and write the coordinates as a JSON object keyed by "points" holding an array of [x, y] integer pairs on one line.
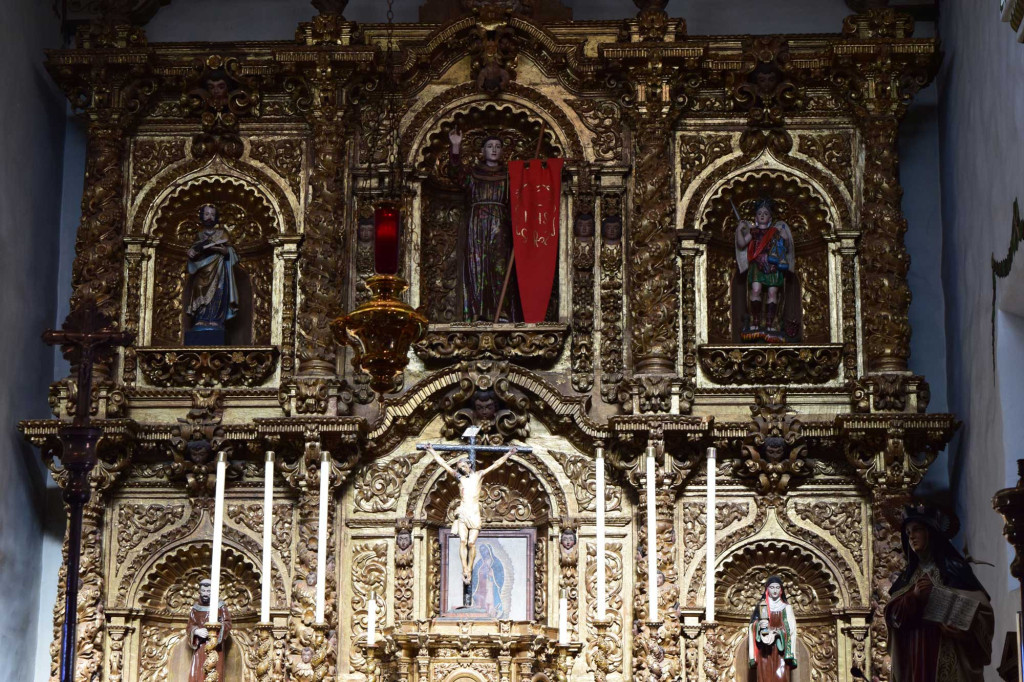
{"points": [[939, 616]]}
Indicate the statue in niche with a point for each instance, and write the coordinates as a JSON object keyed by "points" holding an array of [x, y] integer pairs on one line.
{"points": [[468, 519], [772, 635], [488, 243], [189, 655], [211, 290], [939, 617], [766, 255]]}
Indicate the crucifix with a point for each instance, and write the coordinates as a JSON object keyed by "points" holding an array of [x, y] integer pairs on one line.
{"points": [[467, 516], [85, 338]]}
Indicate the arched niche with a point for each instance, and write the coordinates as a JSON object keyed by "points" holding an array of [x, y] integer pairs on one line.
{"points": [[252, 220], [518, 119], [807, 292], [811, 588]]}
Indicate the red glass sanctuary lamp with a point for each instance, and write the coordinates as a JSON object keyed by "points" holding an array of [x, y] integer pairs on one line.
{"points": [[387, 236]]}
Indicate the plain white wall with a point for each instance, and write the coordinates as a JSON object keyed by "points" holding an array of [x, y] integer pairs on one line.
{"points": [[32, 119], [982, 125]]}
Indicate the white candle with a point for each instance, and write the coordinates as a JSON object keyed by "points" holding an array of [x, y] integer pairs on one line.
{"points": [[268, 523], [563, 620], [652, 541], [602, 593], [218, 535], [371, 620], [709, 583], [321, 538]]}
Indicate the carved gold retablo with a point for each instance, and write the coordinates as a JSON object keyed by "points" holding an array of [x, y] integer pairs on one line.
{"points": [[381, 331]]}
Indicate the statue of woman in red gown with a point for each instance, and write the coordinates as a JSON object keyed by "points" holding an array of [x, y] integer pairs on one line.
{"points": [[772, 635]]}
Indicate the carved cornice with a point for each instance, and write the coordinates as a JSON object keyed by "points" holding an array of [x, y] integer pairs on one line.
{"points": [[224, 366], [499, 342], [770, 364]]}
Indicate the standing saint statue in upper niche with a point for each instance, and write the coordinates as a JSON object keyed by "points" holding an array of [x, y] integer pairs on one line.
{"points": [[211, 292], [488, 241], [765, 253], [939, 617], [772, 637]]}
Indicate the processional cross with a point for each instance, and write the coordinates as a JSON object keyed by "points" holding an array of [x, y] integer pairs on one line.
{"points": [[467, 517], [85, 338]]}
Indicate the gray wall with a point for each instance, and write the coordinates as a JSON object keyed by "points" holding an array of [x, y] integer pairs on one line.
{"points": [[982, 126], [32, 120]]}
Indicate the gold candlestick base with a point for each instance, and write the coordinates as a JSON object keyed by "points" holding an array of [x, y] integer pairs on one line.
{"points": [[566, 655], [602, 665], [212, 654], [321, 651], [371, 662], [265, 652]]}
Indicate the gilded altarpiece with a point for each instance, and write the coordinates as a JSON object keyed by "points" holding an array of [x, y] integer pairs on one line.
{"points": [[667, 138]]}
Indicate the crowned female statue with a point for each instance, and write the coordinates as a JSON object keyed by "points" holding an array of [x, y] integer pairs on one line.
{"points": [[772, 635], [939, 616]]}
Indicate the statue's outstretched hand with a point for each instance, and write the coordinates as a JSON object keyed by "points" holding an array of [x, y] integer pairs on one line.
{"points": [[455, 137]]}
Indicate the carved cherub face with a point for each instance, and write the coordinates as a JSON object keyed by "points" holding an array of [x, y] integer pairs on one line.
{"points": [[766, 81], [568, 539], [218, 89], [311, 578], [917, 534], [611, 228], [307, 655], [774, 448], [492, 150], [484, 409], [404, 539], [584, 227], [775, 590]]}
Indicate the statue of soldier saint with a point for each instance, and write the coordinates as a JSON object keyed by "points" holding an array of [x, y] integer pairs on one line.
{"points": [[467, 516]]}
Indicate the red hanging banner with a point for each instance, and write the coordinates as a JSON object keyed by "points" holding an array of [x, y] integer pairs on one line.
{"points": [[535, 192]]}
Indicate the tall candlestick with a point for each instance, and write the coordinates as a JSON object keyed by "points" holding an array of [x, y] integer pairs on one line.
{"points": [[268, 523], [602, 593], [563, 619], [321, 538], [652, 541], [371, 620], [709, 573], [218, 535]]}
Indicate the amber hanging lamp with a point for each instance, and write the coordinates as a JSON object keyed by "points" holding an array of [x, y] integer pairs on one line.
{"points": [[382, 330]]}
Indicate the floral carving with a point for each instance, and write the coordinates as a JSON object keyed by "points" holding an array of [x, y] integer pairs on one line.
{"points": [[378, 485], [190, 367], [150, 156], [369, 579], [770, 364], [841, 519], [463, 342], [137, 521], [581, 470], [603, 118], [404, 556]]}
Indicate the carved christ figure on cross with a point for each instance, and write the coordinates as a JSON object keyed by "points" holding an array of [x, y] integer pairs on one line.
{"points": [[467, 515]]}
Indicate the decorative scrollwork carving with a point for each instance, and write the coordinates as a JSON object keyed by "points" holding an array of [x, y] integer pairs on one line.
{"points": [[841, 519], [775, 452], [135, 522], [581, 470], [208, 367], [505, 342], [603, 118], [810, 587], [770, 364], [378, 485]]}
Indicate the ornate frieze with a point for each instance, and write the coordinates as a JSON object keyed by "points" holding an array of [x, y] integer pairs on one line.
{"points": [[770, 364], [208, 367], [499, 341]]}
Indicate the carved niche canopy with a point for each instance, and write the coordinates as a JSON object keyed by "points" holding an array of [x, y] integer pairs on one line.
{"points": [[808, 216], [510, 496], [172, 586], [250, 220], [741, 579]]}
